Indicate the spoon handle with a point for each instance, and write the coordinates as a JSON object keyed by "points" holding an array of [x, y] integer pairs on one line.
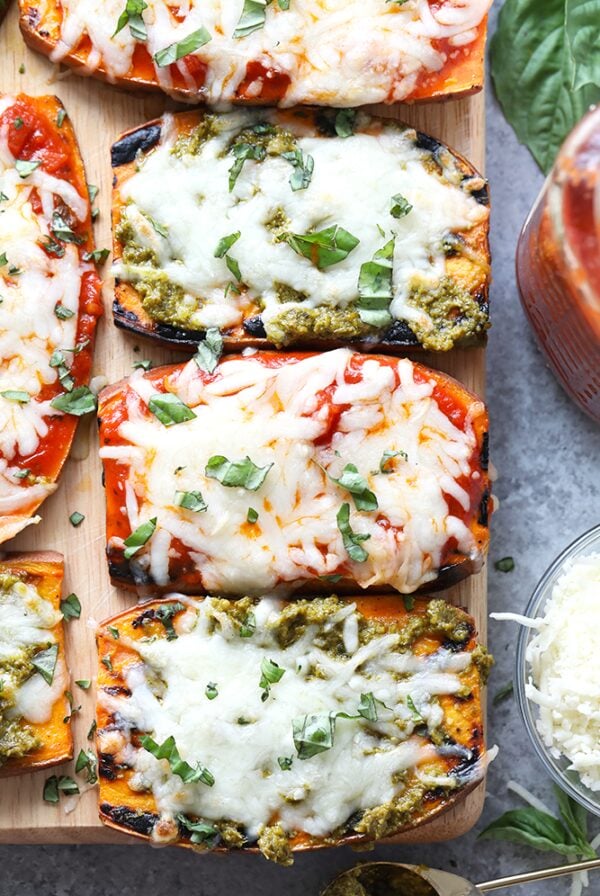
{"points": [[543, 874]]}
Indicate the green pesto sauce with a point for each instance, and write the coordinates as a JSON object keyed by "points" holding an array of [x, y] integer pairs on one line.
{"points": [[273, 139], [456, 315], [16, 737], [274, 844], [325, 322], [191, 144], [375, 880]]}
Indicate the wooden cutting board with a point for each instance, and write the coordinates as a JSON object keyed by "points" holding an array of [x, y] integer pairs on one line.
{"points": [[99, 114]]}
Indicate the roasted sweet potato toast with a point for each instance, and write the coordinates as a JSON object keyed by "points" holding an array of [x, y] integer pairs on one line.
{"points": [[286, 726], [51, 300], [376, 53], [35, 732], [307, 228], [280, 471]]}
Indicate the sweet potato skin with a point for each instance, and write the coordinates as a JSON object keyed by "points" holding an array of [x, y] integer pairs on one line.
{"points": [[45, 569]]}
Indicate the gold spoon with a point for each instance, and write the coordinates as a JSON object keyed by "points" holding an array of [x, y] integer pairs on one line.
{"points": [[395, 879]]}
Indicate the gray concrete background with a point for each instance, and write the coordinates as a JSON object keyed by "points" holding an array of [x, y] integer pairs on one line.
{"points": [[547, 453]]}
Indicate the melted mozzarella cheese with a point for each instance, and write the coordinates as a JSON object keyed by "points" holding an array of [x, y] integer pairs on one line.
{"points": [[272, 416], [317, 795], [32, 283], [334, 52], [26, 621], [352, 185]]}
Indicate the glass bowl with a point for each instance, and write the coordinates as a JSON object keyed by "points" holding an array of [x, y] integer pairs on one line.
{"points": [[557, 767]]}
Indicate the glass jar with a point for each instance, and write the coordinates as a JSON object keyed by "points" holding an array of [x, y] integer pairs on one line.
{"points": [[558, 265]]}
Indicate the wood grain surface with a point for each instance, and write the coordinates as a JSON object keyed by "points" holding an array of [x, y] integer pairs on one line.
{"points": [[100, 113]]}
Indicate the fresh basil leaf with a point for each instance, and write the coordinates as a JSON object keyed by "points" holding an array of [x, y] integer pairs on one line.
{"points": [[285, 762], [25, 168], [345, 120], [76, 518], [313, 734], [544, 78], [375, 287], [387, 456], [323, 248], [138, 538], [506, 691], [248, 626], [352, 481], [45, 661], [50, 246], [237, 473], [209, 350], [61, 230], [182, 48], [303, 165], [367, 708], [242, 152], [132, 16], [54, 786], [505, 564], [400, 206], [211, 690], [98, 256], [415, 712], [16, 395], [63, 313], [234, 267], [352, 541], [252, 515], [166, 613], [86, 761], [201, 832], [253, 17], [78, 402], [83, 683], [533, 828], [168, 750], [271, 673], [574, 818], [191, 501], [225, 244], [70, 607], [170, 409]]}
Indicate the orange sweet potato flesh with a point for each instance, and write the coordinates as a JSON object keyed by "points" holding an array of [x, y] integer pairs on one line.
{"points": [[43, 570], [130, 812]]}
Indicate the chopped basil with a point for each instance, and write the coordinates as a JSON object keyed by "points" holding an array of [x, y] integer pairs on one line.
{"points": [[333, 578], [241, 152], [303, 168], [52, 247], [285, 762], [98, 256], [400, 206], [170, 409], [63, 313], [107, 662], [182, 48], [409, 602], [503, 693], [132, 16], [57, 360], [86, 761], [25, 168], [76, 518], [237, 473], [352, 540], [22, 474], [73, 709], [54, 786], [271, 673], [252, 515], [92, 731], [3, 260], [114, 631], [313, 734], [344, 122], [78, 402], [18, 123], [70, 607], [165, 614], [62, 231], [415, 712], [93, 191], [387, 456], [201, 832], [45, 661], [357, 485], [60, 117], [323, 248], [506, 564], [253, 17], [16, 395], [225, 244], [248, 626], [211, 690], [210, 349], [375, 288], [160, 229], [22, 66], [233, 267], [191, 501], [367, 708], [83, 683], [142, 365], [139, 537], [168, 750]]}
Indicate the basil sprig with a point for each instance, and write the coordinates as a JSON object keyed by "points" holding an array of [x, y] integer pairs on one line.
{"points": [[170, 409], [375, 288], [271, 673], [352, 540], [45, 661], [168, 750], [182, 48], [237, 473], [323, 248], [132, 16], [209, 350], [352, 481], [139, 537]]}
